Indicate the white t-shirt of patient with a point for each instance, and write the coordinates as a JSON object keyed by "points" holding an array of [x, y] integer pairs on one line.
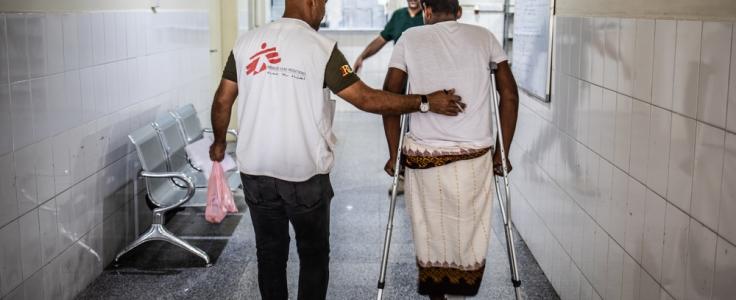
{"points": [[451, 55]]}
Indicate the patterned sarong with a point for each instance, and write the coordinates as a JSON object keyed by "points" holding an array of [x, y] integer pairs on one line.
{"points": [[450, 208]]}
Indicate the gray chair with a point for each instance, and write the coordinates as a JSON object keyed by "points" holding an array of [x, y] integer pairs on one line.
{"points": [[174, 143], [166, 190], [191, 127]]}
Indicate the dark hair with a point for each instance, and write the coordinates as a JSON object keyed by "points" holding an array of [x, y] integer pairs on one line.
{"points": [[443, 6]]}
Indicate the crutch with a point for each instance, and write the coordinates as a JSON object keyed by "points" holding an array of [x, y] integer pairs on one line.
{"points": [[505, 203], [392, 207]]}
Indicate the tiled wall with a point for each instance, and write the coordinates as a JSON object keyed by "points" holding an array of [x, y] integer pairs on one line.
{"points": [[625, 185], [72, 86]]}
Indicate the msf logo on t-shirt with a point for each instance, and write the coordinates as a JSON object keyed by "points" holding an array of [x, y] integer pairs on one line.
{"points": [[257, 62]]}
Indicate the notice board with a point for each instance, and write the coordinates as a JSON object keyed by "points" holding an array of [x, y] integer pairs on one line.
{"points": [[533, 46]]}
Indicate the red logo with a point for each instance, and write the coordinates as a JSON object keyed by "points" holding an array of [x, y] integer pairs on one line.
{"points": [[257, 65]]}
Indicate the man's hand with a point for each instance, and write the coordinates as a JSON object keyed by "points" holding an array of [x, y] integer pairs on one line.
{"points": [[390, 167], [445, 103], [498, 165], [217, 151], [358, 64]]}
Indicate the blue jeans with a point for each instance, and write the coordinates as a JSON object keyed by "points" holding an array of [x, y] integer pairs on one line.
{"points": [[273, 204]]}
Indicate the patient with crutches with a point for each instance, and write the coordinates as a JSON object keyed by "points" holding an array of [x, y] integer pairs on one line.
{"points": [[450, 162]]}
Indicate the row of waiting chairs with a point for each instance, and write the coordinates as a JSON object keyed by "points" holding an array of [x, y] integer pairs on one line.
{"points": [[171, 180]]}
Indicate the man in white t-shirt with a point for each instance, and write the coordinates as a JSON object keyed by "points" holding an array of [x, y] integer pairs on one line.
{"points": [[450, 162]]}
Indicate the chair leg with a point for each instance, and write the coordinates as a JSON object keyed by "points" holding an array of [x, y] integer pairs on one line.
{"points": [[157, 232], [171, 238]]}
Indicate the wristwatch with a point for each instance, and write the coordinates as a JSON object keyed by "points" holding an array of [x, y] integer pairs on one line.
{"points": [[424, 106]]}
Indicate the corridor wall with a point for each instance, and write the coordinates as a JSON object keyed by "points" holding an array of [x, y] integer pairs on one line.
{"points": [[75, 78], [624, 183]]}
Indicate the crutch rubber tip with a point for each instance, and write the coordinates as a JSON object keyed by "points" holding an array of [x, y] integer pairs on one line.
{"points": [[517, 283], [381, 285]]}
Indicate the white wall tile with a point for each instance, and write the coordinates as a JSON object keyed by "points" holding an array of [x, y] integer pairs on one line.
{"points": [[600, 260], [701, 261], [627, 39], [687, 66], [598, 50], [44, 165], [56, 104], [49, 226], [605, 186], [612, 54], [18, 66], [714, 69], [644, 59], [594, 132], [54, 41], [674, 260], [631, 288], [121, 42], [86, 40], [653, 243], [665, 41], [70, 29], [640, 120], [726, 223], [608, 130], [635, 219], [109, 19], [11, 270], [682, 156], [33, 287], [659, 150], [97, 25], [724, 287], [8, 200], [574, 47], [4, 77], [30, 243], [708, 174], [66, 219], [622, 153], [649, 287], [731, 119], [52, 279], [72, 110], [618, 211], [6, 140], [39, 100], [22, 114], [615, 268], [25, 178], [36, 44]]}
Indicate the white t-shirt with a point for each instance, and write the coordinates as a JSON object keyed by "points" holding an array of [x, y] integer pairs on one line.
{"points": [[285, 114], [451, 55]]}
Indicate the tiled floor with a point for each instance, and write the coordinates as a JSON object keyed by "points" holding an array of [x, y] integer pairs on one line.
{"points": [[359, 213]]}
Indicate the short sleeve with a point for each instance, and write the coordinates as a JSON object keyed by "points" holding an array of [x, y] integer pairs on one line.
{"points": [[388, 32], [398, 57], [338, 74], [498, 55], [230, 72]]}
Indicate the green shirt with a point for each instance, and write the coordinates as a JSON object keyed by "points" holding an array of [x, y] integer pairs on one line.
{"points": [[400, 21]]}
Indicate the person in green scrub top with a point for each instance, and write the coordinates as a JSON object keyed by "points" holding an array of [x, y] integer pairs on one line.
{"points": [[401, 20]]}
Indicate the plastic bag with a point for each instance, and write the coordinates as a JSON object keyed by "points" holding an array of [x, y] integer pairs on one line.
{"points": [[199, 155], [220, 200]]}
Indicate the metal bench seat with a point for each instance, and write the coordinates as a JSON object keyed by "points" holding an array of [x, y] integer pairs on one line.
{"points": [[174, 143], [166, 190], [191, 127]]}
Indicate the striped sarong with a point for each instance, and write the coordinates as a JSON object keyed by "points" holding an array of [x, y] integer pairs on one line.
{"points": [[450, 208]]}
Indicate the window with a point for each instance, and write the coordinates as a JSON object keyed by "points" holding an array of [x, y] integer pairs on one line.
{"points": [[346, 14]]}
